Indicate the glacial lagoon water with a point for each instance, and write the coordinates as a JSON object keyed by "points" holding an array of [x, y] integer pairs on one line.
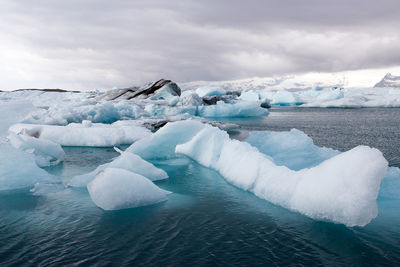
{"points": [[206, 221]]}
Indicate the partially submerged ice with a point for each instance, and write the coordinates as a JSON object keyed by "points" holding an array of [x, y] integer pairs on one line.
{"points": [[115, 189], [127, 161], [342, 189], [293, 149], [18, 169]]}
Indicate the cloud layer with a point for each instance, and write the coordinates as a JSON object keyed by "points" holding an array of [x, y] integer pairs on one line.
{"points": [[100, 44]]}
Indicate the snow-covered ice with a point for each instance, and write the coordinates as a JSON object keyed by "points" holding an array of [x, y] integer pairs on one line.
{"points": [[114, 189]]}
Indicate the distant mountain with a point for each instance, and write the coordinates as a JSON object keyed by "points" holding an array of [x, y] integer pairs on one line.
{"points": [[389, 81]]}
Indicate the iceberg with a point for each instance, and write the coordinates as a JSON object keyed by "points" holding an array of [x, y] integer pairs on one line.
{"points": [[342, 189], [114, 189], [237, 109], [295, 150], [161, 144], [250, 95], [85, 133], [210, 90], [46, 152], [127, 161], [65, 113], [19, 170], [285, 98]]}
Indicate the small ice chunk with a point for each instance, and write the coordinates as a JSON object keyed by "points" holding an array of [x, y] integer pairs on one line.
{"points": [[127, 161], [115, 189]]}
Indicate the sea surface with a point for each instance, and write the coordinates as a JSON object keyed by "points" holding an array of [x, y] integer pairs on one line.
{"points": [[206, 221]]}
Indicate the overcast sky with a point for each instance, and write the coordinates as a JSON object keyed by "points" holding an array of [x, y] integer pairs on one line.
{"points": [[78, 44]]}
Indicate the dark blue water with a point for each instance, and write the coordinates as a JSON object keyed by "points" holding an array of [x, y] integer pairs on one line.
{"points": [[206, 221], [341, 129]]}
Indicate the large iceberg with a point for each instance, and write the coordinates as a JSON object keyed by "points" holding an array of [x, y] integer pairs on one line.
{"points": [[295, 150], [127, 161], [86, 133], [342, 189], [115, 189]]}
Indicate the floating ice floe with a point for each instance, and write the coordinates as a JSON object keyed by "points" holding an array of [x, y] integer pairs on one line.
{"points": [[114, 189], [342, 189], [85, 133], [127, 161]]}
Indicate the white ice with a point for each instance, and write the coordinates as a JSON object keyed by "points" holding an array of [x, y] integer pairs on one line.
{"points": [[46, 152], [342, 189], [210, 90], [127, 161], [114, 189], [86, 133], [295, 150], [161, 144], [63, 113]]}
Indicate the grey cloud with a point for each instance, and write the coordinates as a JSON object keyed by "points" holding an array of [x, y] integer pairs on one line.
{"points": [[100, 44]]}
